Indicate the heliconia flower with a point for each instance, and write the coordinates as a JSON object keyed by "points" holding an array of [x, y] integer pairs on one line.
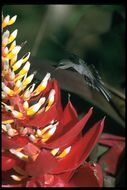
{"points": [[42, 144]]}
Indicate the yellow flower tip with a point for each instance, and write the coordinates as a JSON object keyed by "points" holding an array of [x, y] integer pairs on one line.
{"points": [[47, 108], [43, 84], [5, 21], [13, 60], [50, 99], [48, 134], [12, 75], [12, 132], [18, 84], [38, 133], [17, 178], [14, 52], [12, 36], [17, 65], [4, 127], [54, 151], [4, 95], [5, 34], [26, 95], [12, 20], [13, 45], [5, 51], [5, 38], [19, 154], [26, 57], [28, 80], [33, 109], [17, 114], [4, 42], [65, 152], [25, 105], [7, 90], [8, 121], [6, 64], [42, 101], [25, 69], [32, 138]]}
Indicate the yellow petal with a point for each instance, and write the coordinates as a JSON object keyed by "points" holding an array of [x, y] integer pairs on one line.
{"points": [[17, 178], [26, 57], [13, 60], [17, 114], [50, 99], [12, 36], [42, 85], [12, 20], [33, 109], [48, 134], [8, 121], [14, 52], [17, 65], [5, 21], [13, 45], [54, 151], [7, 90], [65, 152], [25, 69], [28, 80]]}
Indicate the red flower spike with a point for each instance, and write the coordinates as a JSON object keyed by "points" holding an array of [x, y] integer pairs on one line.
{"points": [[77, 153], [91, 138], [17, 101], [31, 150], [43, 164], [7, 163], [68, 120], [7, 181], [6, 116], [112, 137], [15, 142], [43, 93], [25, 161], [31, 183], [57, 182], [42, 119], [70, 135], [88, 175], [110, 159], [66, 176], [111, 140]]}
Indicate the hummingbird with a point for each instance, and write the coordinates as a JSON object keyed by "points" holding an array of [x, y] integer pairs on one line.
{"points": [[89, 73]]}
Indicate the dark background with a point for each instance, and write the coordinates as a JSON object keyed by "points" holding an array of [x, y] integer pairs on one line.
{"points": [[96, 33]]}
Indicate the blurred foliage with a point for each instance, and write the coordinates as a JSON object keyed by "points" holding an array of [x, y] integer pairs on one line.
{"points": [[94, 32]]}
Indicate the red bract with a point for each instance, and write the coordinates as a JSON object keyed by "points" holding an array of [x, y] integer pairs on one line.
{"points": [[7, 162], [42, 143], [111, 158]]}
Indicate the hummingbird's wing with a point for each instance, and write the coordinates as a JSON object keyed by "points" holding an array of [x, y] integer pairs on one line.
{"points": [[89, 73], [94, 80]]}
